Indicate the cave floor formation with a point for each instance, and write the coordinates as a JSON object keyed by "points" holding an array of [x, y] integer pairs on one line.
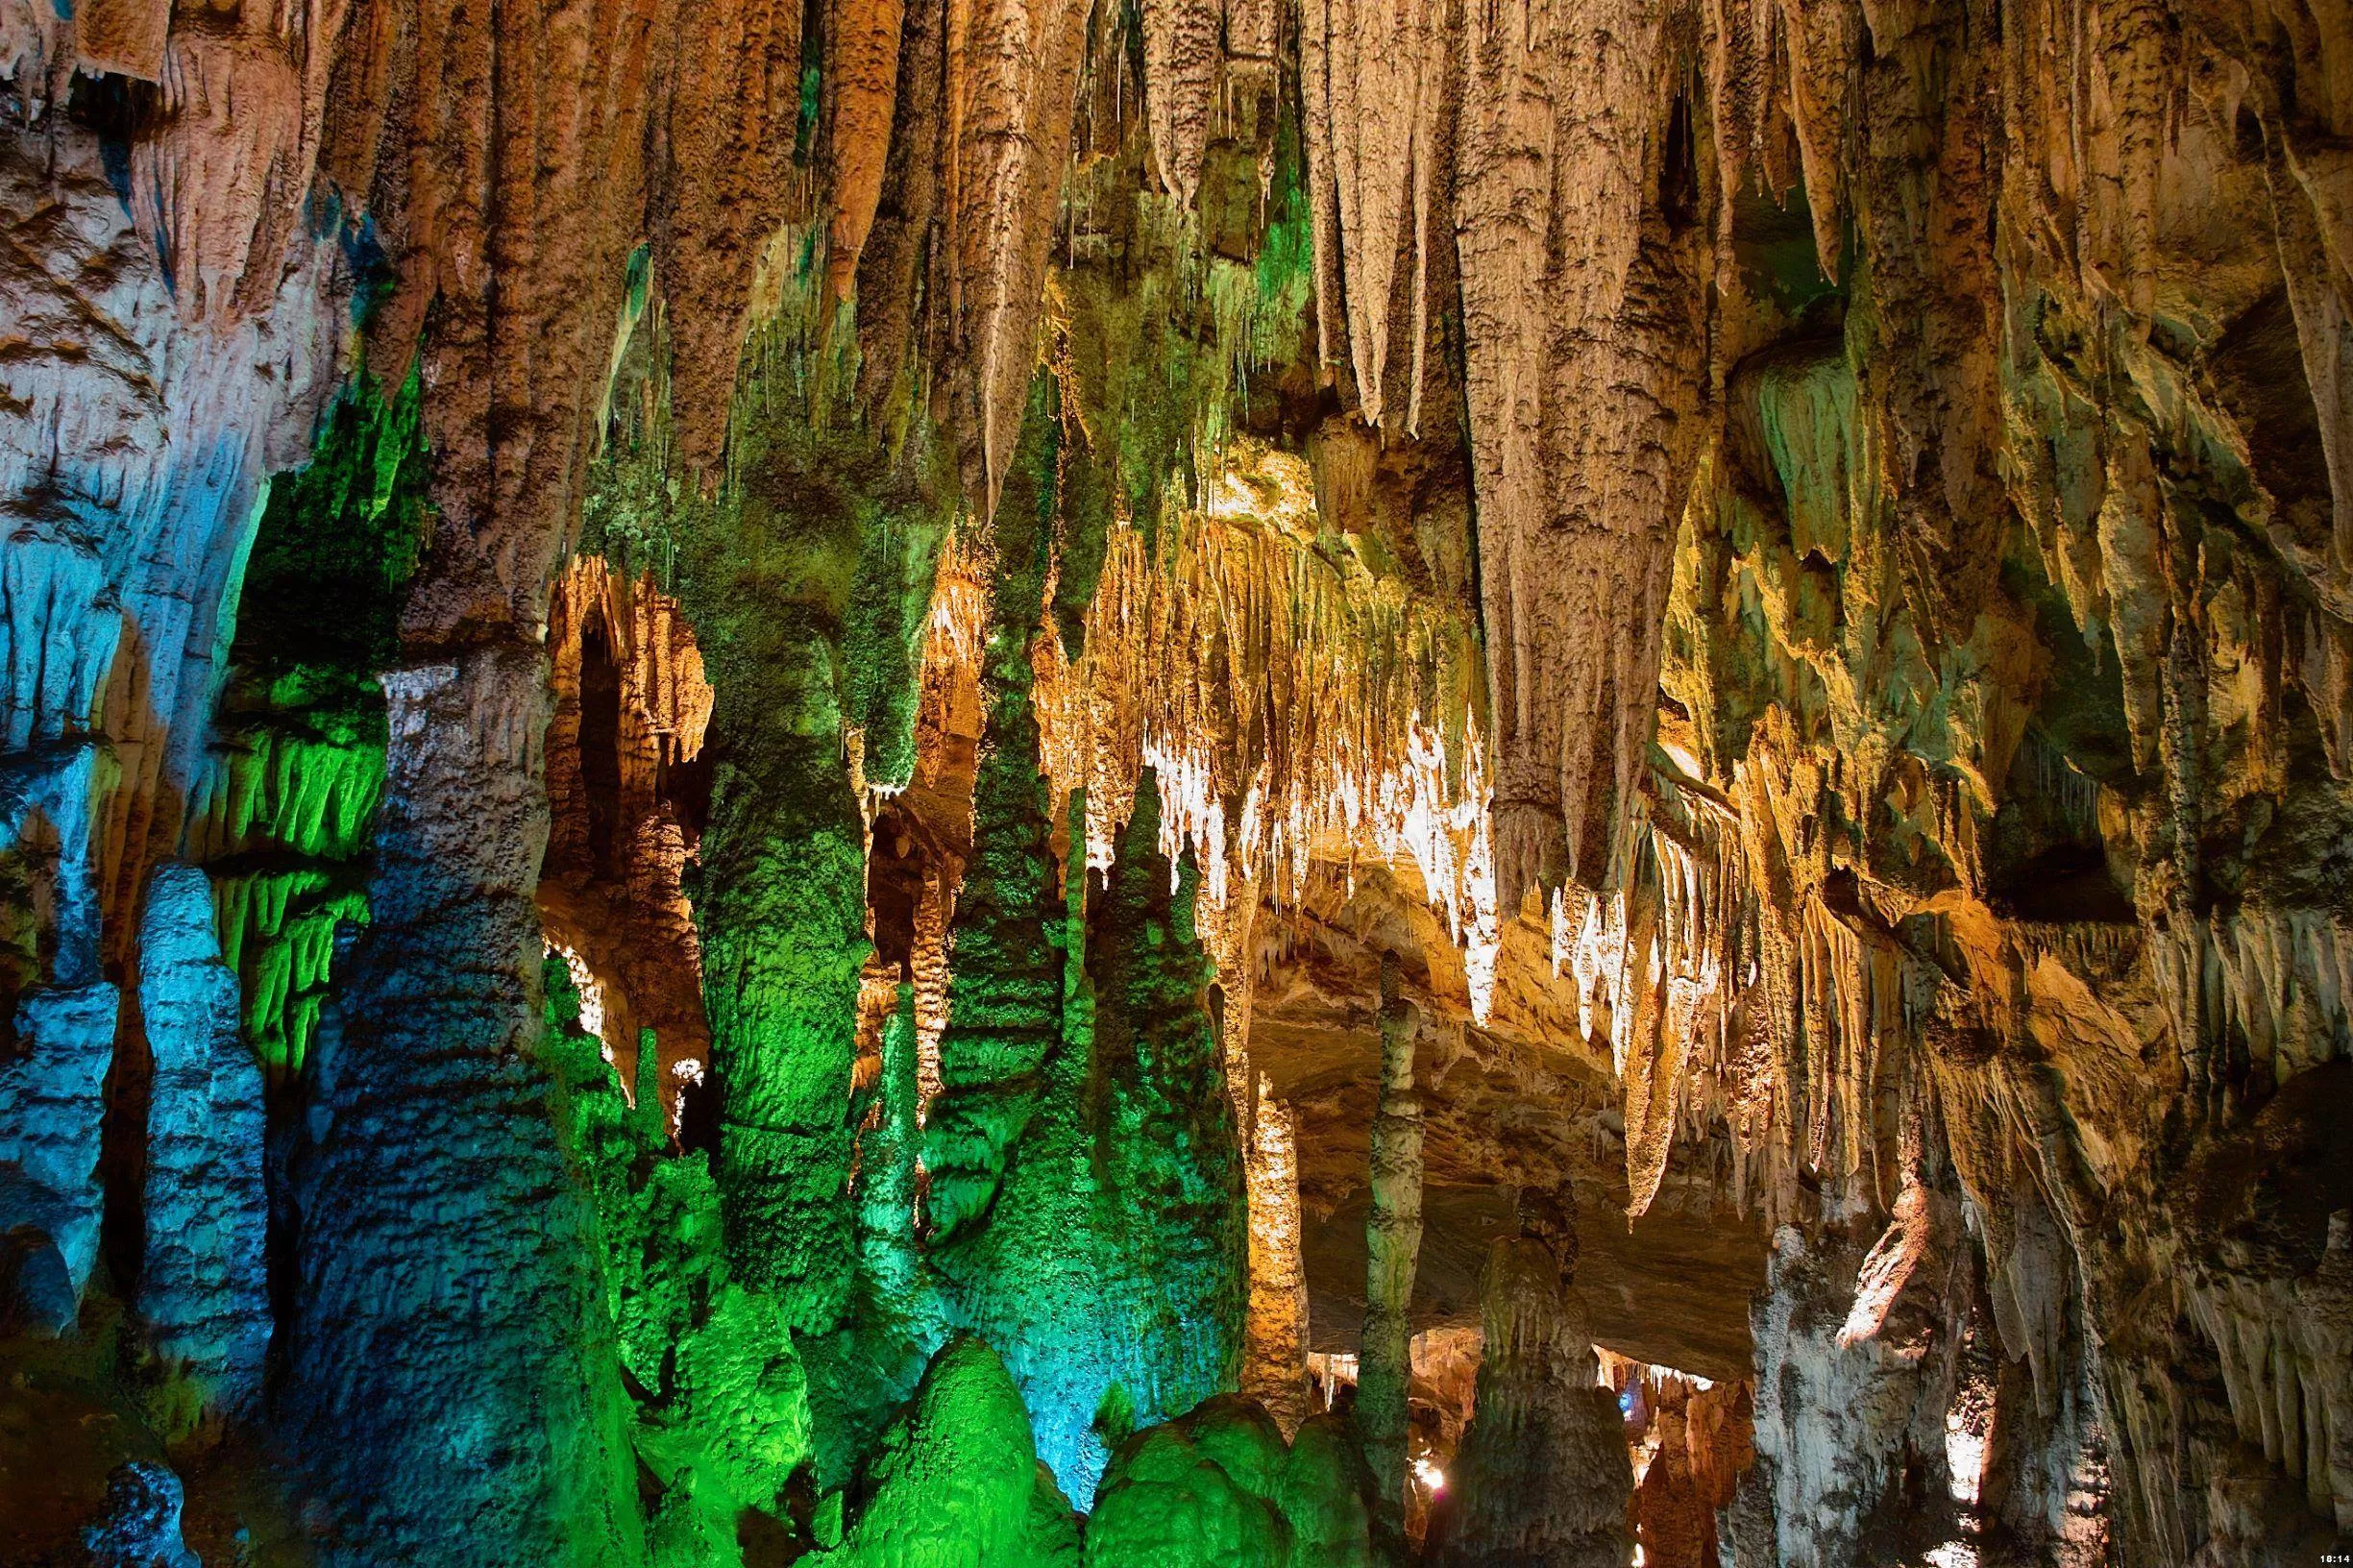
{"points": [[1194, 784]]}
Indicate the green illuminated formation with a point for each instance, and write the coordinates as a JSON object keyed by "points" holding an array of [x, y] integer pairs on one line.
{"points": [[285, 812], [800, 577], [1084, 1201], [957, 1483], [1012, 1231], [1220, 1486], [889, 1266], [1005, 989], [721, 1410], [971, 721], [1171, 1204]]}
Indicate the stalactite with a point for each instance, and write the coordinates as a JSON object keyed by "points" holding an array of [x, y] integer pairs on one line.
{"points": [[1013, 73], [283, 808], [1577, 505], [1393, 1241], [1376, 94], [1939, 834], [1231, 657], [1182, 56], [929, 966], [861, 83]]}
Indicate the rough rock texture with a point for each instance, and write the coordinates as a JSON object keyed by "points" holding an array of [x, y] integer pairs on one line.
{"points": [[631, 709], [1849, 503], [718, 1413], [1857, 1356], [1542, 1476], [142, 1525], [204, 1285], [1392, 1245], [1703, 1445], [282, 810], [504, 1408], [50, 1152], [958, 1481], [1174, 1221], [1275, 1332], [1221, 1484]]}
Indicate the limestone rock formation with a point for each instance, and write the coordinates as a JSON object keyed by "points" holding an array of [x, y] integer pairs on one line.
{"points": [[54, 1200], [1223, 1480], [1392, 1247], [203, 1280], [1542, 1476], [729, 734], [141, 1526]]}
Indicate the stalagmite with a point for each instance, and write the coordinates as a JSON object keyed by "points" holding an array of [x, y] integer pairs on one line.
{"points": [[1543, 1475], [523, 1344], [1851, 1403], [1393, 1243], [1275, 1350], [1058, 534], [204, 1287], [50, 1092], [888, 1154]]}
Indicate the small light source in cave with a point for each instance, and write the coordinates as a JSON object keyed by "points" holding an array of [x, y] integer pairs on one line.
{"points": [[1429, 1473], [1965, 1451], [688, 1072], [1965, 1455]]}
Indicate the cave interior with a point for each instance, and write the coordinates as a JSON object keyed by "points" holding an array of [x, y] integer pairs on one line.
{"points": [[1176, 783]]}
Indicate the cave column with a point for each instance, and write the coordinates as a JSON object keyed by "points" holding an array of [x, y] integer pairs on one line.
{"points": [[1275, 1325], [436, 1211], [1393, 1242], [887, 1160]]}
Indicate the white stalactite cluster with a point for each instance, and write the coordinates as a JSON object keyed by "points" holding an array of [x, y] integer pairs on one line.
{"points": [[1296, 706]]}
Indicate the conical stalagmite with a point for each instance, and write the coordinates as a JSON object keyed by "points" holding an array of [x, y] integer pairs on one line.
{"points": [[1543, 1476]]}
